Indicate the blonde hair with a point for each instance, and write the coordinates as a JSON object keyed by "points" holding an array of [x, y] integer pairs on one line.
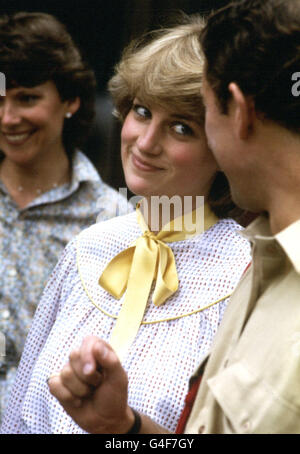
{"points": [[163, 67]]}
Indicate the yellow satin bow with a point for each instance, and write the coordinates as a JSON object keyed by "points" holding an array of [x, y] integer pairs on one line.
{"points": [[136, 268]]}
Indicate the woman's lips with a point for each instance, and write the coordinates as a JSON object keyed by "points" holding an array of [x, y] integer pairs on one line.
{"points": [[142, 165], [17, 138]]}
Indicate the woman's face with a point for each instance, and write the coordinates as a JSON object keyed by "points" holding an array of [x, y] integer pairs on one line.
{"points": [[165, 153], [31, 122]]}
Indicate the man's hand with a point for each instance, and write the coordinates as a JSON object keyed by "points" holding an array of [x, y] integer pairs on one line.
{"points": [[92, 388]]}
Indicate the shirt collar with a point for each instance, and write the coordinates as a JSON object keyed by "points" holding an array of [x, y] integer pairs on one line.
{"points": [[82, 170], [259, 228], [287, 238], [289, 241]]}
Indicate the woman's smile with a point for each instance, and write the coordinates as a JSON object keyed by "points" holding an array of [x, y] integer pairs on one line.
{"points": [[142, 165], [17, 138]]}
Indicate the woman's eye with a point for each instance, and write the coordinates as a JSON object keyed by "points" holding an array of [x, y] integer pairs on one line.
{"points": [[182, 129], [141, 111], [27, 99]]}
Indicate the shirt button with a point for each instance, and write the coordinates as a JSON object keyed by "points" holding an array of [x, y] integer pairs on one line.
{"points": [[5, 313], [201, 429], [12, 272], [246, 425]]}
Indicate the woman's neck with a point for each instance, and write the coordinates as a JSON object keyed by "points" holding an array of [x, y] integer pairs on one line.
{"points": [[24, 183]]}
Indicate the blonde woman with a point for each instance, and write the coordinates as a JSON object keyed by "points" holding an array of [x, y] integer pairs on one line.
{"points": [[156, 292]]}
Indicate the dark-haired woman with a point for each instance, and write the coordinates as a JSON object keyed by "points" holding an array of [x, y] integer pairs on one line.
{"points": [[49, 190]]}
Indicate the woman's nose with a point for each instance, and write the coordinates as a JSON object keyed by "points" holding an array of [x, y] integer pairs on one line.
{"points": [[150, 140], [9, 115]]}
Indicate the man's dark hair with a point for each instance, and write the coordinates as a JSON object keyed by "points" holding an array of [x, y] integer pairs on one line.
{"points": [[256, 44]]}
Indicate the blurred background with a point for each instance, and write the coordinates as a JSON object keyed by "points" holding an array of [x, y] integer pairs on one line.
{"points": [[102, 28]]}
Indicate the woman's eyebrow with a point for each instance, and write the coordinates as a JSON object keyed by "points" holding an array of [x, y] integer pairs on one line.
{"points": [[184, 117]]}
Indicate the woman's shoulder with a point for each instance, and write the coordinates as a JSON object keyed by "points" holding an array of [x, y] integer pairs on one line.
{"points": [[223, 239], [228, 226], [227, 235], [98, 244], [118, 226]]}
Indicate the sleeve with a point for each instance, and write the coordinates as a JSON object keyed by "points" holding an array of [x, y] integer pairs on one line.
{"points": [[55, 293]]}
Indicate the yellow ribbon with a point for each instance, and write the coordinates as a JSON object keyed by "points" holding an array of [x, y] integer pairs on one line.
{"points": [[136, 268]]}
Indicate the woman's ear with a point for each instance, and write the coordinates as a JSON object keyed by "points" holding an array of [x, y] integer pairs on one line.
{"points": [[73, 105], [244, 111]]}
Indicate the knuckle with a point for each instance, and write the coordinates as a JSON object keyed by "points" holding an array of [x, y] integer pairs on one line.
{"points": [[113, 359], [67, 398], [83, 391], [74, 355], [89, 340], [66, 373]]}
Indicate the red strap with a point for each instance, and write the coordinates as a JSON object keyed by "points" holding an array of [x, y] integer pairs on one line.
{"points": [[189, 401], [247, 267]]}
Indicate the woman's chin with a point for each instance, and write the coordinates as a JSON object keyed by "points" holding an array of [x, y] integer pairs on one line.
{"points": [[139, 188]]}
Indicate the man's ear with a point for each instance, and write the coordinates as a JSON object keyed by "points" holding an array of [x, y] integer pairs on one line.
{"points": [[244, 111]]}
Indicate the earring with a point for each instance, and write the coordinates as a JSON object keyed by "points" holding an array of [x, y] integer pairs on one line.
{"points": [[68, 115]]}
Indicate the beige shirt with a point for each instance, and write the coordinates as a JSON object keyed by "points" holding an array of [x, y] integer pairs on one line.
{"points": [[251, 382]]}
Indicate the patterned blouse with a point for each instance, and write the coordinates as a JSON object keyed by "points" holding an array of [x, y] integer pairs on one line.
{"points": [[31, 241], [172, 338]]}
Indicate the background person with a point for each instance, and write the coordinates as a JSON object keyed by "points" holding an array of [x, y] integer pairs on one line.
{"points": [[157, 93], [49, 190]]}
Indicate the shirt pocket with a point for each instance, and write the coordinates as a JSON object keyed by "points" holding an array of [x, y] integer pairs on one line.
{"points": [[250, 404]]}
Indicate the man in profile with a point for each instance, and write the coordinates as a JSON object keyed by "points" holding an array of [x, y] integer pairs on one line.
{"points": [[251, 382]]}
